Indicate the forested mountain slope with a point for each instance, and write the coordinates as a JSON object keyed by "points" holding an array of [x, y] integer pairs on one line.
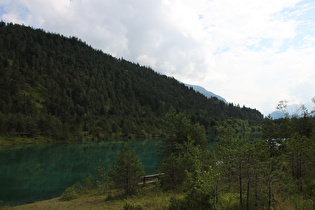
{"points": [[61, 88]]}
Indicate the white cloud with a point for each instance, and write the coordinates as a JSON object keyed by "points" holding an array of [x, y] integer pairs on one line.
{"points": [[250, 52]]}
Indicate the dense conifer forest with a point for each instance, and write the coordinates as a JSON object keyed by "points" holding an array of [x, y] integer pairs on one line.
{"points": [[60, 88]]}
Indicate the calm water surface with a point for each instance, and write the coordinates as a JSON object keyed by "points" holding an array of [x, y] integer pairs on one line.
{"points": [[30, 173]]}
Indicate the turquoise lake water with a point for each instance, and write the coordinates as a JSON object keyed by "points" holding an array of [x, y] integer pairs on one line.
{"points": [[30, 173]]}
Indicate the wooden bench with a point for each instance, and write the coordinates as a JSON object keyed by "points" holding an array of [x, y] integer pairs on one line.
{"points": [[149, 179]]}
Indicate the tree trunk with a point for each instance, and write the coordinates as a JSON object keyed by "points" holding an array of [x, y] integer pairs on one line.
{"points": [[297, 166], [248, 182], [241, 190], [292, 165], [269, 192], [247, 199], [127, 187], [300, 172], [256, 190]]}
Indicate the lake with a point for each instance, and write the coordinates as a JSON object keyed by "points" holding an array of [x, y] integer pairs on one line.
{"points": [[30, 173]]}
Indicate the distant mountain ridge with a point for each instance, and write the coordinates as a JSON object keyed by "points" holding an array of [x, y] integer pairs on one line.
{"points": [[293, 110], [277, 115], [205, 92]]}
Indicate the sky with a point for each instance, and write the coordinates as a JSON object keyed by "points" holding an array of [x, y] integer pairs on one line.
{"points": [[250, 52]]}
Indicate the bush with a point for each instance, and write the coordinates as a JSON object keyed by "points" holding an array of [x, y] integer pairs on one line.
{"points": [[196, 198], [176, 204], [89, 182], [200, 198], [199, 183], [72, 192], [129, 206], [102, 178], [174, 172]]}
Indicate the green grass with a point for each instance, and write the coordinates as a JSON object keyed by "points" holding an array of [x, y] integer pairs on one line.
{"points": [[8, 140], [15, 140], [228, 200], [149, 197]]}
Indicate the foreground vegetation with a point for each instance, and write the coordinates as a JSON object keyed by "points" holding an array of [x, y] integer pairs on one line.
{"points": [[149, 197]]}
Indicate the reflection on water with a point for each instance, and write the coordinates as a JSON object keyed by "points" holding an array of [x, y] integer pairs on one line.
{"points": [[38, 172]]}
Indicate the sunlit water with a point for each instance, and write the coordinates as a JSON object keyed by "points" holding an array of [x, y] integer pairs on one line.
{"points": [[38, 172]]}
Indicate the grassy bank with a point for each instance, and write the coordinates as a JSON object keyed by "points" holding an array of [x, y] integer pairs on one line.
{"points": [[9, 140], [18, 140], [149, 197]]}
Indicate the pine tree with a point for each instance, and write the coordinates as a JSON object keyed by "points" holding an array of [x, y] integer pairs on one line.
{"points": [[127, 171]]}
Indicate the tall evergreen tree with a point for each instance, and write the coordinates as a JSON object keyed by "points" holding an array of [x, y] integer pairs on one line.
{"points": [[127, 171]]}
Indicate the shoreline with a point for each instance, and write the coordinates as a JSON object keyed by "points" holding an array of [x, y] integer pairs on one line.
{"points": [[29, 141]]}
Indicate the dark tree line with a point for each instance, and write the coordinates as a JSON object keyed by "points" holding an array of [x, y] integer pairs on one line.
{"points": [[61, 88], [276, 171]]}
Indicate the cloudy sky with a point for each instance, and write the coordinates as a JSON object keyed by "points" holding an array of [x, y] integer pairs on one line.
{"points": [[251, 52]]}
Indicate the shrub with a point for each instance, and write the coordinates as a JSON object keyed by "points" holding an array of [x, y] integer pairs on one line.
{"points": [[72, 192], [129, 206], [89, 182], [176, 204], [102, 178]]}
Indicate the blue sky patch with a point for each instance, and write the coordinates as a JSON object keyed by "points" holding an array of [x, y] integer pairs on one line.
{"points": [[221, 50], [2, 11], [262, 44]]}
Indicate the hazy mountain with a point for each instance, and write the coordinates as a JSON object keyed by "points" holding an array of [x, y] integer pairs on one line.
{"points": [[277, 115], [205, 92], [293, 110]]}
